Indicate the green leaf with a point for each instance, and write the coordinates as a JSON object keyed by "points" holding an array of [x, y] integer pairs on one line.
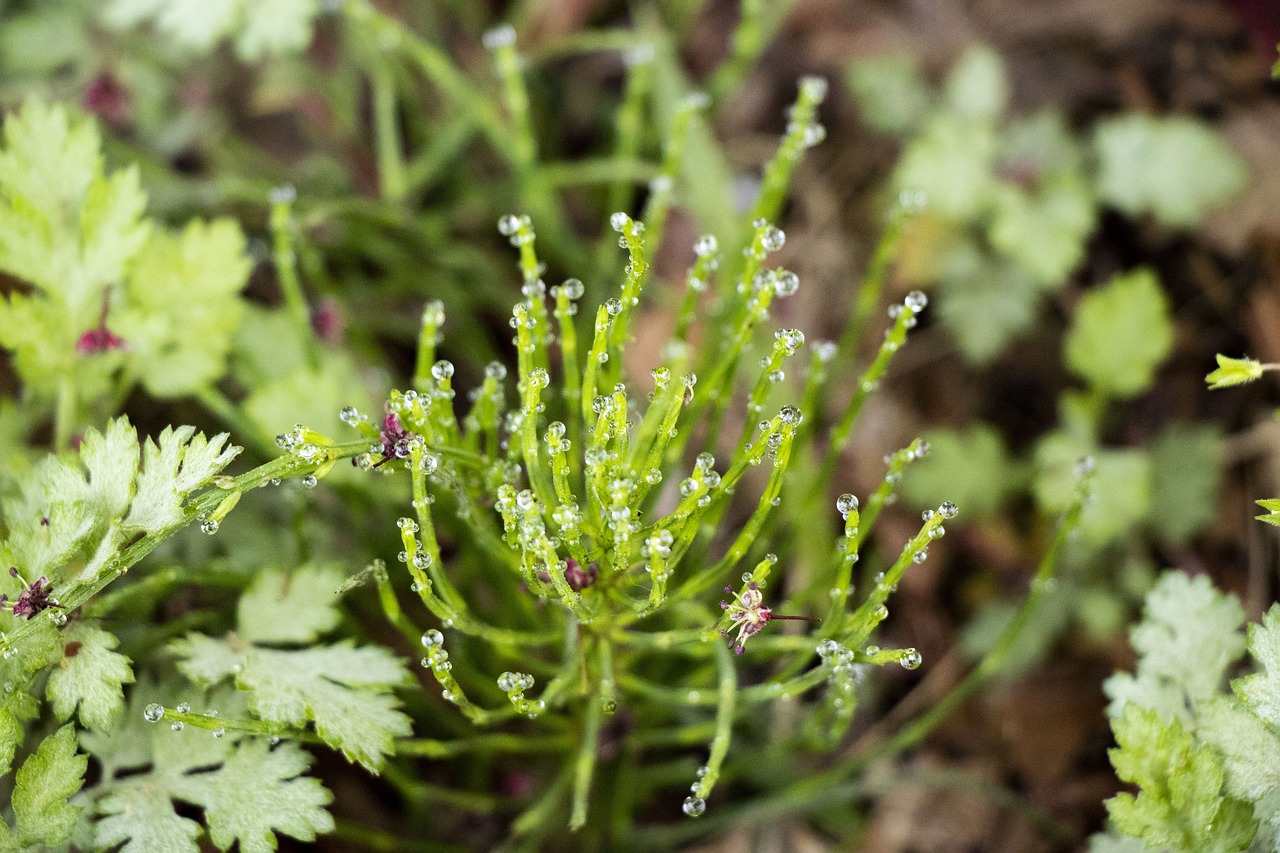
{"points": [[1120, 334], [1174, 168], [1234, 371], [1181, 788], [259, 27], [142, 817], [1186, 472], [249, 792], [183, 306], [1044, 232], [68, 229], [952, 162], [296, 607], [182, 461], [111, 459], [969, 467], [1272, 506], [44, 783], [1261, 691], [1120, 487], [986, 302], [891, 92], [256, 793], [1188, 637], [1250, 750], [346, 691], [91, 677], [977, 87]]}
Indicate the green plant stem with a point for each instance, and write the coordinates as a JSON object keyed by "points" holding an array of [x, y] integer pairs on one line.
{"points": [[391, 167], [726, 705], [584, 765]]}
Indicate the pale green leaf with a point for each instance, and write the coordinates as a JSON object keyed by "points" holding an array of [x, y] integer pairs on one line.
{"points": [[1181, 788], [1120, 334], [183, 306], [977, 87], [1250, 750], [142, 817], [257, 792], [162, 486], [1044, 232], [969, 467], [259, 27], [91, 677], [111, 459], [986, 302], [951, 162], [1174, 168], [891, 92], [295, 607], [1188, 638], [1120, 487], [346, 691], [1261, 691], [43, 785]]}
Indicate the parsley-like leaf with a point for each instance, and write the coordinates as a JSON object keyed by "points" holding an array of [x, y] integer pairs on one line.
{"points": [[183, 306], [1181, 788], [344, 690], [296, 607], [257, 792], [43, 784], [182, 461], [91, 676]]}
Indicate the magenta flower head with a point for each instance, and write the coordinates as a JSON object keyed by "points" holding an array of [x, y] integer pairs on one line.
{"points": [[747, 613], [33, 600], [101, 339], [395, 438]]}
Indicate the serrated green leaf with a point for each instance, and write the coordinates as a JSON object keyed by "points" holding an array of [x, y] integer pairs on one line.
{"points": [[1181, 788], [183, 306], [91, 677], [1261, 691], [296, 607], [111, 459], [257, 792], [43, 785], [182, 461], [346, 691], [1186, 472], [1174, 168], [891, 92], [1188, 638], [977, 87], [1250, 750], [1120, 334], [69, 230], [142, 817], [969, 467]]}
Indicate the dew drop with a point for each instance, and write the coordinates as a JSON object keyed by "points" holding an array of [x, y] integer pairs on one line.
{"points": [[153, 713], [694, 806]]}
